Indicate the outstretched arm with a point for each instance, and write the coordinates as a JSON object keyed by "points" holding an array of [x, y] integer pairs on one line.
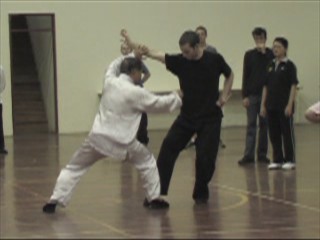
{"points": [[151, 53], [146, 101], [114, 68]]}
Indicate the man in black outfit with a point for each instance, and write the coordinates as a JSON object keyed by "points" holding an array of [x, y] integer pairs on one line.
{"points": [[254, 74], [277, 104], [198, 72]]}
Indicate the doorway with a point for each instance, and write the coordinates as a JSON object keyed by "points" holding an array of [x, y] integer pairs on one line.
{"points": [[33, 73]]}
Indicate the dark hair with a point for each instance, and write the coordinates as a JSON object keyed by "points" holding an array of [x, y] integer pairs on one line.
{"points": [[284, 42], [128, 65], [202, 28], [258, 31], [190, 37]]}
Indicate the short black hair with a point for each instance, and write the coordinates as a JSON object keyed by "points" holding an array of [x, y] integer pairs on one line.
{"points": [[190, 37], [258, 31], [128, 65], [202, 28], [283, 41]]}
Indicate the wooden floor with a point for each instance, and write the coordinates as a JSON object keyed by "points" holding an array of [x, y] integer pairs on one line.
{"points": [[245, 202]]}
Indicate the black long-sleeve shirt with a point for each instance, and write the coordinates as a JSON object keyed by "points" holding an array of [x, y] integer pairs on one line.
{"points": [[255, 71]]}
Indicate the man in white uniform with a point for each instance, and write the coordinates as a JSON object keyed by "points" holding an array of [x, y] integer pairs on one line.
{"points": [[114, 133]]}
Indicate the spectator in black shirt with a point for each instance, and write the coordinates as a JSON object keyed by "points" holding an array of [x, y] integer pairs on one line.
{"points": [[254, 74], [277, 104], [198, 72]]}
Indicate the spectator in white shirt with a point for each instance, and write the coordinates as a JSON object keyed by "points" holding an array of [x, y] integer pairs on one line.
{"points": [[2, 87], [114, 133], [313, 113]]}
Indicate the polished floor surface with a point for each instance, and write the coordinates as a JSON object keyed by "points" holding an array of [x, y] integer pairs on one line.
{"points": [[245, 202]]}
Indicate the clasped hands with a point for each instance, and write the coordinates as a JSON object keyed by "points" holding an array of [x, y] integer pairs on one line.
{"points": [[139, 49]]}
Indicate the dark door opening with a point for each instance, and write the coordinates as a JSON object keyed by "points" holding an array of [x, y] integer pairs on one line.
{"points": [[33, 73]]}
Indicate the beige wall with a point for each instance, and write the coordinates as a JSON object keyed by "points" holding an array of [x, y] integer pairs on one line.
{"points": [[87, 38]]}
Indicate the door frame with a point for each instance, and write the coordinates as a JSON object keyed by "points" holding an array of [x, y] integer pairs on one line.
{"points": [[54, 55]]}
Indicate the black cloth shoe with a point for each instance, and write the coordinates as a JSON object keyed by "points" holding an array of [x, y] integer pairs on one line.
{"points": [[264, 160], [199, 201], [245, 161], [156, 204], [3, 151], [49, 208], [200, 193]]}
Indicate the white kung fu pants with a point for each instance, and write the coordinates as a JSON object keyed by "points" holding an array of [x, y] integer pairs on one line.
{"points": [[86, 156]]}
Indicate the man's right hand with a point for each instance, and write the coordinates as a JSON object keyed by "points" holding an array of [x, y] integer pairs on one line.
{"points": [[124, 33], [126, 37], [246, 102]]}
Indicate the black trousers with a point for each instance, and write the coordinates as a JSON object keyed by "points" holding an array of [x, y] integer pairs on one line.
{"points": [[253, 112], [1, 130], [207, 144], [142, 135], [281, 130]]}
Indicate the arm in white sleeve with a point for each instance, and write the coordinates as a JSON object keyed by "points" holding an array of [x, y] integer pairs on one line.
{"points": [[114, 68], [149, 102]]}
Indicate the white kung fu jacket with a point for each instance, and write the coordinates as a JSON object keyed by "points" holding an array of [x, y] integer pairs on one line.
{"points": [[118, 118]]}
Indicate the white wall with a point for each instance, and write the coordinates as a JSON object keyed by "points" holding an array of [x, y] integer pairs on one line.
{"points": [[43, 54], [87, 38]]}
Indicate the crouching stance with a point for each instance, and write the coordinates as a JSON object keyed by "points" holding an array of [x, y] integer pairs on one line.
{"points": [[114, 133]]}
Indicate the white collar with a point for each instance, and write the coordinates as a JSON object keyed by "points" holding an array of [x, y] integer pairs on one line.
{"points": [[285, 59]]}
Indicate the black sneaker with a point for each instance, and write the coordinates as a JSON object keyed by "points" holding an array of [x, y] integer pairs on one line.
{"points": [[49, 208], [245, 161], [264, 160], [156, 204]]}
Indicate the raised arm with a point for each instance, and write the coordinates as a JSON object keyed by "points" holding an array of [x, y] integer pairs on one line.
{"points": [[114, 67], [151, 53], [146, 73]]}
